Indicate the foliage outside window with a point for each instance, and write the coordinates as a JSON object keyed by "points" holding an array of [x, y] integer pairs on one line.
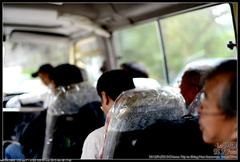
{"points": [[195, 35], [141, 44], [21, 59], [187, 37], [88, 55]]}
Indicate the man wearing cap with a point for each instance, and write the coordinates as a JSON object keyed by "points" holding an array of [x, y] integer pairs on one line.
{"points": [[44, 73]]}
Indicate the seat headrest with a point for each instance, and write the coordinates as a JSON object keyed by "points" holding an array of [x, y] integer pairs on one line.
{"points": [[136, 109]]}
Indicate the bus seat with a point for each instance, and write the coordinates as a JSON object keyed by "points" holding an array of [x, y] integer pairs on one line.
{"points": [[165, 139], [74, 111], [136, 109], [32, 139], [71, 131], [30, 134]]}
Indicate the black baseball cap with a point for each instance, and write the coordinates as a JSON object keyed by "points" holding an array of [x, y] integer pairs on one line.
{"points": [[46, 68]]}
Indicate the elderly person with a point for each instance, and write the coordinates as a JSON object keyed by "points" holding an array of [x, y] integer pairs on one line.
{"points": [[218, 109]]}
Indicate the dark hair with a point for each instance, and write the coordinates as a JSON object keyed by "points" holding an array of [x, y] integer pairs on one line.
{"points": [[114, 82], [196, 76], [104, 67], [135, 69], [228, 101], [45, 68], [66, 74]]}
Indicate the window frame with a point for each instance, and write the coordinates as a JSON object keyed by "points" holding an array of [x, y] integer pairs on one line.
{"points": [[160, 35]]}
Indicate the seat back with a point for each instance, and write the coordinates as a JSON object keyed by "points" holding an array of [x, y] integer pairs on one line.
{"points": [[74, 111], [134, 110], [32, 134], [165, 139], [71, 131]]}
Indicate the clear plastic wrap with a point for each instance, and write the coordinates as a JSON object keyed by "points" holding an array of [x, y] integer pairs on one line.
{"points": [[193, 107], [136, 109], [66, 101]]}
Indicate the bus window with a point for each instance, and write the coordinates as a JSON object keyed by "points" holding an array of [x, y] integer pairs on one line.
{"points": [[88, 54], [195, 35], [140, 43], [186, 37], [22, 58]]}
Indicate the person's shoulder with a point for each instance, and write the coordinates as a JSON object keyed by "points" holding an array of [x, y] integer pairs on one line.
{"points": [[96, 134]]}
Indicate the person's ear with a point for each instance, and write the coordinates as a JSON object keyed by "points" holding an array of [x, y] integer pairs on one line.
{"points": [[234, 134], [105, 98]]}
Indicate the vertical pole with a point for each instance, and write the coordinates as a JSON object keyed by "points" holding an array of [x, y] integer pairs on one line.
{"points": [[164, 52]]}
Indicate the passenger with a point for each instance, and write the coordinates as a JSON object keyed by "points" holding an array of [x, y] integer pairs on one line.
{"points": [[71, 95], [137, 70], [140, 75], [14, 151], [109, 86], [191, 85], [190, 88], [218, 110], [45, 74], [26, 146], [17, 149], [103, 68]]}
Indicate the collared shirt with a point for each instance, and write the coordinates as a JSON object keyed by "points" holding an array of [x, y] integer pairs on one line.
{"points": [[93, 144]]}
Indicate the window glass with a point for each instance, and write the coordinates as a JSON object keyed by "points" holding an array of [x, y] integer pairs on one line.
{"points": [[88, 55], [195, 35], [141, 44], [21, 59]]}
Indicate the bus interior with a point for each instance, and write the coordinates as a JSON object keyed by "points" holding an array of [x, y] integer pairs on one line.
{"points": [[165, 37]]}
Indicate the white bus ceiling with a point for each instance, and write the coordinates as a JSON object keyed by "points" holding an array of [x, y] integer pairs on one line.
{"points": [[76, 20], [56, 32]]}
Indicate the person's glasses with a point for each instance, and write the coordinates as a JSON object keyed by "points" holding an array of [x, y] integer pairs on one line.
{"points": [[211, 113], [203, 96]]}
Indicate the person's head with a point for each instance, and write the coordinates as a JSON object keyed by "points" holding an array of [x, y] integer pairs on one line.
{"points": [[135, 69], [111, 84], [218, 109], [104, 67], [66, 74], [44, 73], [191, 84]]}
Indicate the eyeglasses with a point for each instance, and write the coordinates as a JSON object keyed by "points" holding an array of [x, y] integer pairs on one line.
{"points": [[202, 97], [211, 113]]}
